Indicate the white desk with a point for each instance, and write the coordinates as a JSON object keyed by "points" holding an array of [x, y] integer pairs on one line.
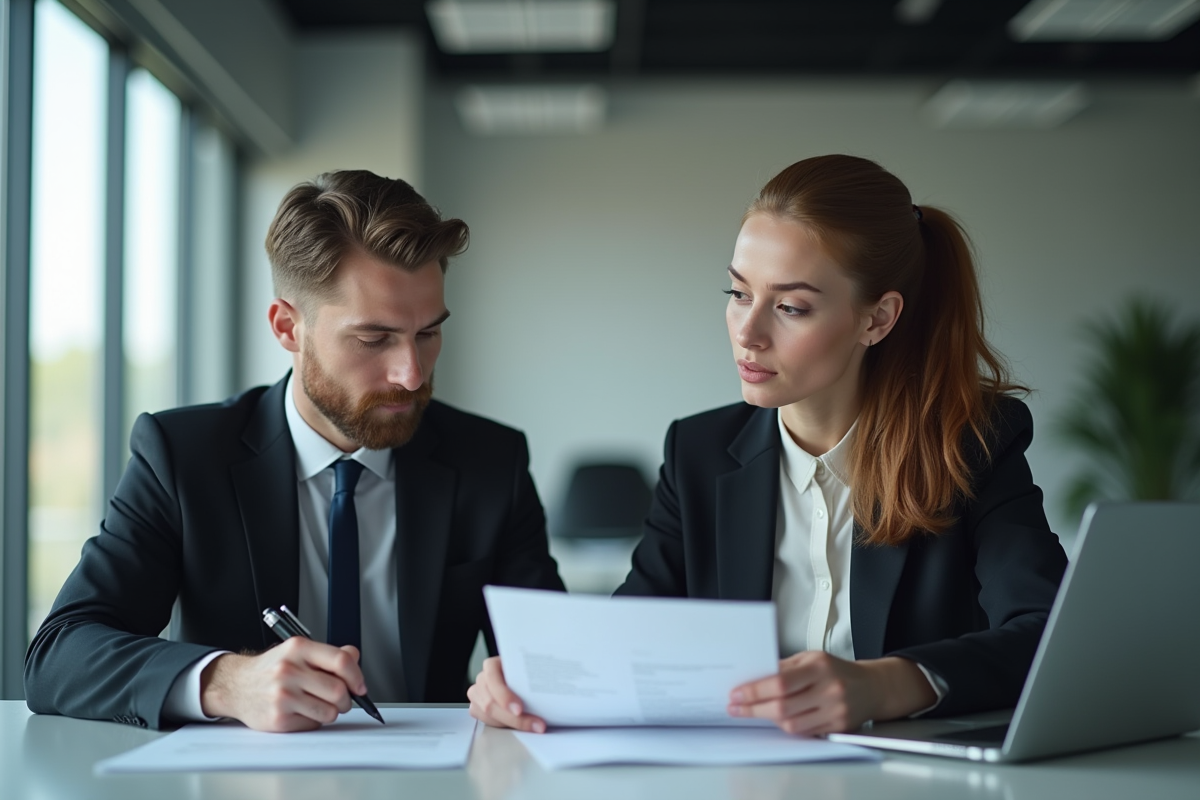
{"points": [[49, 758]]}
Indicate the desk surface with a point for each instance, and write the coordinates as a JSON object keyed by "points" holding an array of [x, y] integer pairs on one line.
{"points": [[51, 757]]}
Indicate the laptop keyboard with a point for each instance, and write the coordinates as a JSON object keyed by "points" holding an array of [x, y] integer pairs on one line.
{"points": [[992, 736]]}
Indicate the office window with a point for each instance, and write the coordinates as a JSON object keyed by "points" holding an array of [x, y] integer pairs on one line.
{"points": [[66, 297], [151, 247], [210, 294]]}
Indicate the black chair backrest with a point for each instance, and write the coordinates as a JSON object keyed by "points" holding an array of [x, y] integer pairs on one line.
{"points": [[604, 501]]}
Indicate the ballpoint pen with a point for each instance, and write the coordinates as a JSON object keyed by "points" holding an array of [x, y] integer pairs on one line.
{"points": [[285, 624]]}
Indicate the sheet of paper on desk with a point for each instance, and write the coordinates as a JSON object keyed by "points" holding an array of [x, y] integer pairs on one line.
{"points": [[586, 660], [564, 748], [412, 738]]}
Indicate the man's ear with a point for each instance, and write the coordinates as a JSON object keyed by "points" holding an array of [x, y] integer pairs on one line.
{"points": [[286, 324], [882, 318]]}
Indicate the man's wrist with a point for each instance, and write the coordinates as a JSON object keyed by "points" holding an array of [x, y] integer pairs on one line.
{"points": [[216, 685]]}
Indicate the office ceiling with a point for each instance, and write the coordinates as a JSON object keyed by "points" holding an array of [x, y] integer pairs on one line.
{"points": [[694, 38]]}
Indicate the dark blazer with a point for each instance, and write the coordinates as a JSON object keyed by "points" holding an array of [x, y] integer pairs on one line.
{"points": [[969, 604], [203, 533]]}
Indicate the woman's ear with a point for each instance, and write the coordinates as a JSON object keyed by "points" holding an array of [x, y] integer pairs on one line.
{"points": [[881, 318]]}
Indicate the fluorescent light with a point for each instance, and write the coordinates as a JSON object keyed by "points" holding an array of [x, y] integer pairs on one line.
{"points": [[1102, 20], [999, 104], [916, 12], [490, 110], [522, 26]]}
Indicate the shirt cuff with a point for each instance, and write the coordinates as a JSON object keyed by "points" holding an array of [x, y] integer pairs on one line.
{"points": [[939, 686], [183, 701]]}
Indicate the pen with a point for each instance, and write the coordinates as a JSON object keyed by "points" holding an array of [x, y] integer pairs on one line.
{"points": [[285, 624]]}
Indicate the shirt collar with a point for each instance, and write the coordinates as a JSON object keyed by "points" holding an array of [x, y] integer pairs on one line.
{"points": [[314, 452], [801, 465]]}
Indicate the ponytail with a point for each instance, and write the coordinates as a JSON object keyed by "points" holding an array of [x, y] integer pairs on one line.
{"points": [[934, 377]]}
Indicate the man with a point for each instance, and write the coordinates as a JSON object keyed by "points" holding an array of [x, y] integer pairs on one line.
{"points": [[225, 510]]}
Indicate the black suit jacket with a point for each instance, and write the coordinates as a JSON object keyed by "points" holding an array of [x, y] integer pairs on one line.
{"points": [[203, 533], [969, 604]]}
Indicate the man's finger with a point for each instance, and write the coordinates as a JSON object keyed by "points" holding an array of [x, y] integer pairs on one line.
{"points": [[495, 703], [338, 661], [498, 689]]}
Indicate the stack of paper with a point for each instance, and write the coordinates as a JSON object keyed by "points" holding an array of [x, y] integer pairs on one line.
{"points": [[580, 747], [412, 738]]}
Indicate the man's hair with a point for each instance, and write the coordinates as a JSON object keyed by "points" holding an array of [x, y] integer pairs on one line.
{"points": [[319, 222]]}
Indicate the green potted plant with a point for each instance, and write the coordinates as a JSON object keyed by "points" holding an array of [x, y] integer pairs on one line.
{"points": [[1136, 414]]}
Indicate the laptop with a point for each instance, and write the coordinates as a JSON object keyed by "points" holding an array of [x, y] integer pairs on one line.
{"points": [[1117, 661]]}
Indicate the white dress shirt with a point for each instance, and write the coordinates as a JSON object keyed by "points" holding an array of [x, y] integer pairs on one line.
{"points": [[375, 507], [814, 537], [814, 534]]}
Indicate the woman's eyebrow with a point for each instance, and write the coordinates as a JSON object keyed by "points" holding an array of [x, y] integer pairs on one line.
{"points": [[780, 287]]}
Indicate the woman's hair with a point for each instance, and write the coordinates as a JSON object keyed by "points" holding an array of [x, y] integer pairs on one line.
{"points": [[934, 376], [319, 222]]}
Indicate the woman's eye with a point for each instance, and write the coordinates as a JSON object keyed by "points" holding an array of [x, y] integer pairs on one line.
{"points": [[735, 294], [792, 311]]}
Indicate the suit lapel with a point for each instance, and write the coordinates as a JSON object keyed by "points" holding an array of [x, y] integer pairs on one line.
{"points": [[266, 491], [747, 501], [424, 511], [874, 574]]}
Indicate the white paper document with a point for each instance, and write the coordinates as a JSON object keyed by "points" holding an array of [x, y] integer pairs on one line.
{"points": [[412, 738], [586, 660], [580, 747]]}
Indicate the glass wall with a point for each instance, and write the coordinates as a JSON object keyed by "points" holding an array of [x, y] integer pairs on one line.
{"points": [[152, 168], [66, 297], [169, 267]]}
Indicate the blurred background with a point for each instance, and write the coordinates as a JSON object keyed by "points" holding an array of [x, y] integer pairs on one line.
{"points": [[602, 152]]}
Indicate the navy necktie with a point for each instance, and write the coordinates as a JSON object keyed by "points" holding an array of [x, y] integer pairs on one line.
{"points": [[344, 621]]}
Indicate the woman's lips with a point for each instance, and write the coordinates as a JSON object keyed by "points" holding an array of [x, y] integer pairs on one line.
{"points": [[753, 373]]}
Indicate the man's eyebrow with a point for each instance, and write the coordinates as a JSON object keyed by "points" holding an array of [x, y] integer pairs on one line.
{"points": [[780, 287], [379, 327]]}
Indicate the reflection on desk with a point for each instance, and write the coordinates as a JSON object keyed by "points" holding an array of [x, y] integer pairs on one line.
{"points": [[51, 758]]}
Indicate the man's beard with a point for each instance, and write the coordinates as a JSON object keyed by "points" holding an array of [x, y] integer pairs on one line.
{"points": [[360, 422]]}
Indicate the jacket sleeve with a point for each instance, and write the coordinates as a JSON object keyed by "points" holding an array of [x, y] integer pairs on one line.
{"points": [[658, 561], [524, 557], [98, 654], [1019, 564]]}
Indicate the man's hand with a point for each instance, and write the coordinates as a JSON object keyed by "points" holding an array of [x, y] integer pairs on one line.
{"points": [[815, 693], [297, 685], [493, 703]]}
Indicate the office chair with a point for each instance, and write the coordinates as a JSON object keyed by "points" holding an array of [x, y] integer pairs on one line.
{"points": [[604, 501]]}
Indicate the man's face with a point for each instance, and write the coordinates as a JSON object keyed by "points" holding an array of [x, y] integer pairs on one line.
{"points": [[365, 357]]}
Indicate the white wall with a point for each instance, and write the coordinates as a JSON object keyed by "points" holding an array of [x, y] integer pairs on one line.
{"points": [[588, 310], [360, 102]]}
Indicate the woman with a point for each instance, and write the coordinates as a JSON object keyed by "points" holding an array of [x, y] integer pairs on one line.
{"points": [[886, 507]]}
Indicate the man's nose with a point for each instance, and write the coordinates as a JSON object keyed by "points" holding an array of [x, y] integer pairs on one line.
{"points": [[405, 368]]}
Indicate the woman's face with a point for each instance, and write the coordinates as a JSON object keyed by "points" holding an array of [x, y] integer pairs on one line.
{"points": [[797, 332]]}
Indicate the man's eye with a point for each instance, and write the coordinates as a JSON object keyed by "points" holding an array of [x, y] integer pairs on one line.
{"points": [[429, 334], [370, 343]]}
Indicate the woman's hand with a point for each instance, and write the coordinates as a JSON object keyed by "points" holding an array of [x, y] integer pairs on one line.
{"points": [[816, 693], [493, 703]]}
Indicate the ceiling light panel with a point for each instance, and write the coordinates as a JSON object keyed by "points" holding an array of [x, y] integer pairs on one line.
{"points": [[1103, 20], [522, 26], [531, 110], [916, 12], [1005, 104]]}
